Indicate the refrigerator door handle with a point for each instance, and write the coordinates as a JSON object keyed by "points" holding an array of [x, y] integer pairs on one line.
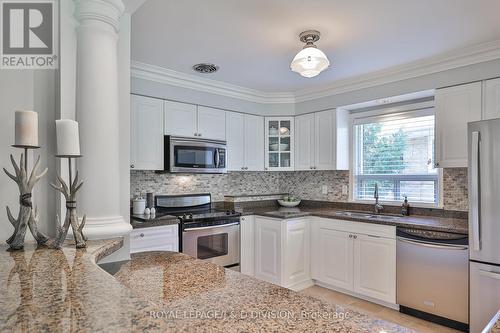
{"points": [[475, 190], [490, 274]]}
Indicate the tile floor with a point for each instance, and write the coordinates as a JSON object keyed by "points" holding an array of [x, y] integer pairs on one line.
{"points": [[376, 310]]}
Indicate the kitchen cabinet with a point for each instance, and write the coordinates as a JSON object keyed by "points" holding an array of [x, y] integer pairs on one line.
{"points": [[282, 252], [305, 142], [355, 257], [162, 238], [332, 258], [146, 133], [245, 142], [182, 119], [491, 99], [247, 244], [211, 123], [279, 143], [455, 107], [321, 141], [375, 267]]}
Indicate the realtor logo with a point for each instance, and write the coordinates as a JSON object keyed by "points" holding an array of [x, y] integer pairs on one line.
{"points": [[28, 34]]}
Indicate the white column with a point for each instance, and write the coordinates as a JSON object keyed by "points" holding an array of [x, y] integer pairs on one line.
{"points": [[97, 111]]}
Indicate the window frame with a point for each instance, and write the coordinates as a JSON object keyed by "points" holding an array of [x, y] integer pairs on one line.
{"points": [[398, 112]]}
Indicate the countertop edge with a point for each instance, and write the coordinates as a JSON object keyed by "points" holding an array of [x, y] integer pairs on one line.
{"points": [[407, 224]]}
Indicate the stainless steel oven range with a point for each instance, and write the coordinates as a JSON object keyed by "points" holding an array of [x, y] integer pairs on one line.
{"points": [[204, 233]]}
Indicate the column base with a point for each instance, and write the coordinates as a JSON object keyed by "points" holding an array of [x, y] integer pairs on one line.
{"points": [[106, 227]]}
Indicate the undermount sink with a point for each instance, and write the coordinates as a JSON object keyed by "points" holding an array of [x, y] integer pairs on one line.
{"points": [[362, 215]]}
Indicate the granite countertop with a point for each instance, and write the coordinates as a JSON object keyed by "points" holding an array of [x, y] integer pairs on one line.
{"points": [[65, 291], [494, 325], [446, 224], [148, 221]]}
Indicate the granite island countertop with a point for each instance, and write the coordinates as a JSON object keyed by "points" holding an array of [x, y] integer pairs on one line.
{"points": [[446, 224], [494, 325], [64, 290]]}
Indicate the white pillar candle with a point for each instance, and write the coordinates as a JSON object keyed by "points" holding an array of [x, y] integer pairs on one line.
{"points": [[26, 127], [68, 139]]}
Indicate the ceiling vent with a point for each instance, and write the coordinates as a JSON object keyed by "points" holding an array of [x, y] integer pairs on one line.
{"points": [[206, 68]]}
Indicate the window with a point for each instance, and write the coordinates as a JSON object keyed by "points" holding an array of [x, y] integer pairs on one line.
{"points": [[396, 152]]}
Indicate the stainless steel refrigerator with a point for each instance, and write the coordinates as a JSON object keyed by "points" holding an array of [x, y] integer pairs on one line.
{"points": [[484, 221]]}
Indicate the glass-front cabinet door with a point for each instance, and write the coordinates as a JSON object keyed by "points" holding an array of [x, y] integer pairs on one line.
{"points": [[279, 143]]}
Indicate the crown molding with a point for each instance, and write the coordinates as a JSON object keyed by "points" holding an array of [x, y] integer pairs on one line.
{"points": [[163, 75], [446, 61]]}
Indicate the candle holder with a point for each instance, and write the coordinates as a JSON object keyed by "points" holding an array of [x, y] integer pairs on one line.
{"points": [[27, 217], [71, 214]]}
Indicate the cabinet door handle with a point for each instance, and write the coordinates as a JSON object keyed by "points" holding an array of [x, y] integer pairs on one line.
{"points": [[355, 236], [142, 235], [199, 134], [132, 166], [350, 236]]}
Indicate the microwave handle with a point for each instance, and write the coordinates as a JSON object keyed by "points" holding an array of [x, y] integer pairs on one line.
{"points": [[217, 156]]}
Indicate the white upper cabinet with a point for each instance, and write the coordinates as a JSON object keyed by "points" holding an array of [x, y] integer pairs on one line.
{"points": [[245, 142], [146, 133], [180, 119], [455, 107], [325, 141], [279, 143], [491, 99], [304, 142], [322, 141], [235, 132], [211, 123], [254, 143]]}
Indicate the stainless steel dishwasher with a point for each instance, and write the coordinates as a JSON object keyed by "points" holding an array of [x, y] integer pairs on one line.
{"points": [[432, 276]]}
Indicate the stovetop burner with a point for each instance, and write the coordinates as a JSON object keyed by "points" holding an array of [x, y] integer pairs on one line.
{"points": [[194, 210]]}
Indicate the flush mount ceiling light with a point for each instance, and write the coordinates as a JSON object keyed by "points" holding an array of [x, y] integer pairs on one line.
{"points": [[205, 68], [310, 61]]}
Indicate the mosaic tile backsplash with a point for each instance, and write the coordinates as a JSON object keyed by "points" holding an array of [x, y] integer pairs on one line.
{"points": [[302, 184]]}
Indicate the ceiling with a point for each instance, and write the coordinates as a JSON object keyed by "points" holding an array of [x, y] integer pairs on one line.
{"points": [[254, 41]]}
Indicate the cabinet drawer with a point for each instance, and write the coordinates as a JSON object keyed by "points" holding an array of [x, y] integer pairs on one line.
{"points": [[164, 238], [371, 229]]}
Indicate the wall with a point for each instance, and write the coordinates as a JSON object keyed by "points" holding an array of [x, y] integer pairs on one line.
{"points": [[303, 184], [28, 90]]}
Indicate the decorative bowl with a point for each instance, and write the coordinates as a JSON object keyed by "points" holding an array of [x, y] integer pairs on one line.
{"points": [[285, 203]]}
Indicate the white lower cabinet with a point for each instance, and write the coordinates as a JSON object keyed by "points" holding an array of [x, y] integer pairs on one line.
{"points": [[282, 252], [247, 244], [332, 257], [356, 257], [375, 267], [162, 238]]}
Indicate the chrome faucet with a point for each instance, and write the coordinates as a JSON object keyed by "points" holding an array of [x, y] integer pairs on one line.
{"points": [[378, 207]]}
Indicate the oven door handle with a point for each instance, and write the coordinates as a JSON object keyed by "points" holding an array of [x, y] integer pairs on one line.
{"points": [[213, 227]]}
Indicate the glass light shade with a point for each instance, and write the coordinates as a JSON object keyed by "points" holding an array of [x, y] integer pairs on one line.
{"points": [[309, 62]]}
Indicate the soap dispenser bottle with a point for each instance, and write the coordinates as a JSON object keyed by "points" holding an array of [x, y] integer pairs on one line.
{"points": [[405, 207]]}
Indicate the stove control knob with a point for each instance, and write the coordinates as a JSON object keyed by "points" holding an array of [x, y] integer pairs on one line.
{"points": [[228, 212], [233, 212]]}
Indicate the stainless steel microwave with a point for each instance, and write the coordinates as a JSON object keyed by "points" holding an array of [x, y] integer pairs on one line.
{"points": [[190, 155]]}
